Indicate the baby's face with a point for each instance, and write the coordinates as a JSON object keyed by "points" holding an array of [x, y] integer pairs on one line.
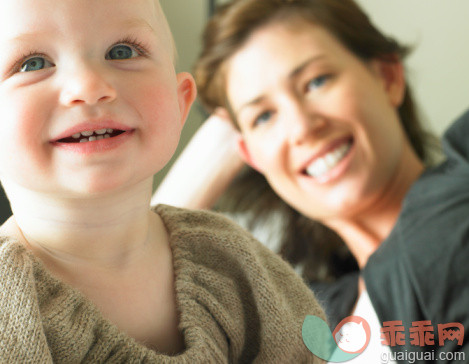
{"points": [[72, 68]]}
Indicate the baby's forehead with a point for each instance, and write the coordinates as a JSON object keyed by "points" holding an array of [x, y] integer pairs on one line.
{"points": [[42, 16], [166, 30]]}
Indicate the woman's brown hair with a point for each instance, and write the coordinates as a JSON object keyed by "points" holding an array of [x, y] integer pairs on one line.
{"points": [[310, 244]]}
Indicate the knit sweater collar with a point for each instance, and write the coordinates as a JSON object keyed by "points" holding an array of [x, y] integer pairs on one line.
{"points": [[238, 302], [42, 319]]}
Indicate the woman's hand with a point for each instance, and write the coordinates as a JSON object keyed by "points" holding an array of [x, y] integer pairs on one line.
{"points": [[205, 168]]}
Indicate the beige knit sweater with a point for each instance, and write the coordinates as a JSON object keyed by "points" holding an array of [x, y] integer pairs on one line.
{"points": [[238, 303]]}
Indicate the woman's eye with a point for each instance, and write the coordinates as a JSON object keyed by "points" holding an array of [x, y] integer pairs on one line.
{"points": [[263, 118], [35, 64], [122, 51], [317, 82]]}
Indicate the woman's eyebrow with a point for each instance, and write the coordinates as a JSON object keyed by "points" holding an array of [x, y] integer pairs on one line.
{"points": [[300, 68], [294, 73], [249, 103]]}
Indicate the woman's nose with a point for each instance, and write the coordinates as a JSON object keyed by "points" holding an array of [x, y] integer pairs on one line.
{"points": [[85, 84], [303, 123]]}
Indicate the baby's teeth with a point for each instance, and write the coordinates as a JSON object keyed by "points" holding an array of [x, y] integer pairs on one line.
{"points": [[110, 130], [102, 134]]}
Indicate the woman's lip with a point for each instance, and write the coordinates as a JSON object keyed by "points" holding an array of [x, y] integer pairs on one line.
{"points": [[91, 126], [324, 150], [335, 172]]}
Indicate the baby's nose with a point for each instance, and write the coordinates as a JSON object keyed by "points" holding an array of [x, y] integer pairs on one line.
{"points": [[87, 85]]}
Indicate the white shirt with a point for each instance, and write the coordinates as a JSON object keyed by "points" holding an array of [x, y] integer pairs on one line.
{"points": [[375, 352]]}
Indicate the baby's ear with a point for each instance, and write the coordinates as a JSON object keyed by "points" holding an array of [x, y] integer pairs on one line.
{"points": [[187, 93]]}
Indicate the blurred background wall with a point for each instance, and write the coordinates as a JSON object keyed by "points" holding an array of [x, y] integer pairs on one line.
{"points": [[438, 68], [186, 19]]}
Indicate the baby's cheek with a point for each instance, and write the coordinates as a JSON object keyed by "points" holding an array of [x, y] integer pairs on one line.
{"points": [[22, 115], [154, 98], [26, 140], [161, 123], [160, 109]]}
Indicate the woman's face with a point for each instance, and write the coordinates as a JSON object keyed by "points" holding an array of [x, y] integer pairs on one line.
{"points": [[318, 122]]}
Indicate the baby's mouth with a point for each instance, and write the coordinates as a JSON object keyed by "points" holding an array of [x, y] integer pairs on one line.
{"points": [[91, 136]]}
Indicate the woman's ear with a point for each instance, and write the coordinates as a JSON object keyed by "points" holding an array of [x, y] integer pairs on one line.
{"points": [[245, 155], [223, 113], [392, 73], [242, 148], [187, 92]]}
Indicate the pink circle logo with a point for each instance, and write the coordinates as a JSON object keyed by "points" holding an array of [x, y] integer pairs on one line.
{"points": [[352, 334]]}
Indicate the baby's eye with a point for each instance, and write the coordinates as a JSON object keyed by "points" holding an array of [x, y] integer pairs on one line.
{"points": [[317, 82], [121, 51], [35, 64]]}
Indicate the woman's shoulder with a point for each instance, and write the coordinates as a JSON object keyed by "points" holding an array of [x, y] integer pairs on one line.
{"points": [[422, 265], [433, 221], [438, 203]]}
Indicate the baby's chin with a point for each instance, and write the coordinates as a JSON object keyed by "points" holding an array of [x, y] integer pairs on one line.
{"points": [[109, 188]]}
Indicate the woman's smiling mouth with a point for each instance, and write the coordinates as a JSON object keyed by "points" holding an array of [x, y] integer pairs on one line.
{"points": [[331, 163], [321, 166]]}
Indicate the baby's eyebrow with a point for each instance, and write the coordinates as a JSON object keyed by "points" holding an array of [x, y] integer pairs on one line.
{"points": [[136, 23], [25, 37]]}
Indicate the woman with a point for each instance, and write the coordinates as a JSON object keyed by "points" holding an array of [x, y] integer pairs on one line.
{"points": [[319, 97]]}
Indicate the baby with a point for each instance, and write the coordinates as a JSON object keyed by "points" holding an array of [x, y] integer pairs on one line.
{"points": [[91, 108]]}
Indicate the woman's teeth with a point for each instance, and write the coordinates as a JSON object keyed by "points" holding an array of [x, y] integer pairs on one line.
{"points": [[324, 164], [91, 136]]}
